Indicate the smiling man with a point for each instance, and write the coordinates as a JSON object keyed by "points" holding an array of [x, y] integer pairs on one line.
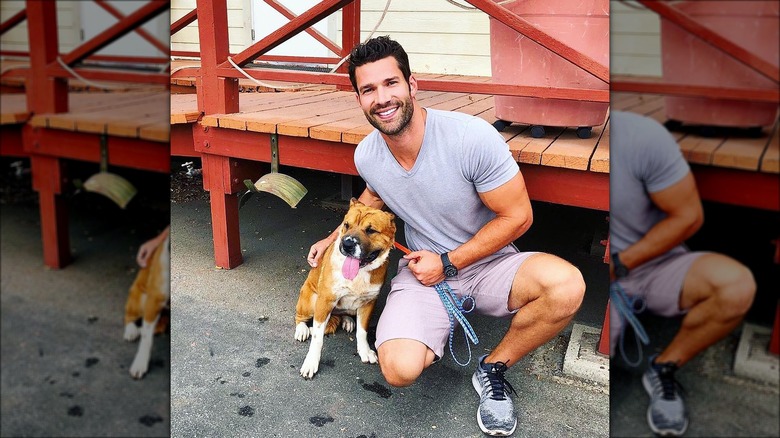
{"points": [[452, 180]]}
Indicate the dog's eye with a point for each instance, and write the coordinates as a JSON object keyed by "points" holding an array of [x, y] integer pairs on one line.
{"points": [[346, 225], [370, 231]]}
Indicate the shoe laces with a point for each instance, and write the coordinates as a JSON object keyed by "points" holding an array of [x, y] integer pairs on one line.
{"points": [[499, 386], [669, 385]]}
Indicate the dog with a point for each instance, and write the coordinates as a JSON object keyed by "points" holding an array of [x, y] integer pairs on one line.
{"points": [[346, 282], [149, 296]]}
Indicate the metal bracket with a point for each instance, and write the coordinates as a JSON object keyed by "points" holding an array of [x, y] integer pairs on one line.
{"points": [[103, 152], [274, 152]]}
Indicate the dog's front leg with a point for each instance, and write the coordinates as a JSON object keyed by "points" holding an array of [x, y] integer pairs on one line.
{"points": [[322, 311], [141, 362], [367, 355]]}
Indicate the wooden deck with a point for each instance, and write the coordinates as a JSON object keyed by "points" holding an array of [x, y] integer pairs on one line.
{"points": [[733, 170], [334, 116]]}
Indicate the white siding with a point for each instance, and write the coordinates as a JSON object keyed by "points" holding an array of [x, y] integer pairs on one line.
{"points": [[439, 37], [68, 23], [635, 40]]}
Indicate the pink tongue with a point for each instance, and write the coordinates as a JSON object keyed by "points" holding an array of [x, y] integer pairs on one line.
{"points": [[350, 268]]}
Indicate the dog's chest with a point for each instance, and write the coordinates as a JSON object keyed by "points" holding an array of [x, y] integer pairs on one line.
{"points": [[353, 294]]}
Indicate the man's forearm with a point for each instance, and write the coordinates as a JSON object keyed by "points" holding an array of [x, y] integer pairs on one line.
{"points": [[496, 234], [664, 236]]}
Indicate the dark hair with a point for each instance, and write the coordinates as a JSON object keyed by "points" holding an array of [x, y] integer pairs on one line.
{"points": [[375, 49]]}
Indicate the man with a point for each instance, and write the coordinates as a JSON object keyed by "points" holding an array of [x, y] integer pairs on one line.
{"points": [[452, 180], [654, 208]]}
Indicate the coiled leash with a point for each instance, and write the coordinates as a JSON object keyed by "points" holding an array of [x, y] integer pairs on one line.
{"points": [[455, 310], [626, 308]]}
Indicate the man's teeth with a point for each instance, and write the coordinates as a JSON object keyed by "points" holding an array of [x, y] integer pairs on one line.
{"points": [[388, 112]]}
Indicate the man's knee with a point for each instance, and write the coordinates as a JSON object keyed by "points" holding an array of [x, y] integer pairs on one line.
{"points": [[565, 291], [399, 367], [735, 294]]}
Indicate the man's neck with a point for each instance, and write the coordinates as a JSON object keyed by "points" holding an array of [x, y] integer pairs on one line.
{"points": [[406, 145]]}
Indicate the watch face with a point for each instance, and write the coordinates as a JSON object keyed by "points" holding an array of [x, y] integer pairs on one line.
{"points": [[621, 271], [450, 271]]}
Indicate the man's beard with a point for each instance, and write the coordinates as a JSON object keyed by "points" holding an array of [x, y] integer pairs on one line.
{"points": [[405, 112]]}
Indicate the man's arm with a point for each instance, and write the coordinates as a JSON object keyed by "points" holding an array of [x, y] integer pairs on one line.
{"points": [[512, 206], [685, 215], [316, 251]]}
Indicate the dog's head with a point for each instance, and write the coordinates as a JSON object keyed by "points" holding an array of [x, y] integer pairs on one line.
{"points": [[366, 237]]}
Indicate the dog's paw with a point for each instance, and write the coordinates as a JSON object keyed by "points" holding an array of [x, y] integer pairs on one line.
{"points": [[302, 332], [368, 356], [131, 332], [348, 324], [139, 367], [309, 368]]}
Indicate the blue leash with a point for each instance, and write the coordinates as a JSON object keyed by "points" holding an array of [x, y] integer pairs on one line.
{"points": [[626, 308], [455, 311]]}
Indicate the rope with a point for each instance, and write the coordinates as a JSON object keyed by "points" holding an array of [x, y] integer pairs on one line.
{"points": [[94, 84], [626, 308], [472, 7], [455, 311]]}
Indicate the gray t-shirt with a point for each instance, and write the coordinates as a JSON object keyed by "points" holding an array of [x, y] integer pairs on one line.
{"points": [[643, 158], [461, 156]]}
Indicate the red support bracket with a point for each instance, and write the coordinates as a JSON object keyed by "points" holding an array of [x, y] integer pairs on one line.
{"points": [[603, 347]]}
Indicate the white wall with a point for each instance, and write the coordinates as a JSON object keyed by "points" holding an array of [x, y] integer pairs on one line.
{"points": [[635, 40], [68, 22]]}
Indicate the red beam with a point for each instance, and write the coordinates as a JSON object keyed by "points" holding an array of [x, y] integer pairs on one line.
{"points": [[118, 30], [44, 94], [738, 187], [55, 70], [289, 30], [653, 85], [527, 29], [13, 21], [577, 188], [689, 24], [11, 141], [164, 48], [273, 58], [182, 144], [215, 94], [184, 21], [603, 347], [325, 41], [579, 94], [122, 151]]}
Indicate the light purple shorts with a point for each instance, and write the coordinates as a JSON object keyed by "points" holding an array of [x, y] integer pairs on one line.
{"points": [[414, 311], [659, 283]]}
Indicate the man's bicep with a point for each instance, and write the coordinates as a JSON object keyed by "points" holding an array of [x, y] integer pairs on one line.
{"points": [[509, 199], [679, 199], [371, 199]]}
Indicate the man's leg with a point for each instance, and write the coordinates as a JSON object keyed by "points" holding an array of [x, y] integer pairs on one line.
{"points": [[403, 360], [548, 291], [717, 292]]}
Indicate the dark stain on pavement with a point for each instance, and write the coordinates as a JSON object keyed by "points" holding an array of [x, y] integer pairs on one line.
{"points": [[320, 420], [91, 361], [149, 420], [262, 319], [378, 388], [330, 362], [262, 361], [246, 411], [237, 394], [66, 394], [246, 374], [92, 319], [75, 411], [373, 435]]}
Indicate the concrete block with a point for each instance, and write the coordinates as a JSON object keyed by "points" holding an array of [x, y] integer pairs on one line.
{"points": [[753, 359], [582, 358]]}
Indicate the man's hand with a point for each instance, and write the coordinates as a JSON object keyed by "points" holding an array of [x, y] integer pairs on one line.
{"points": [[317, 250], [426, 267]]}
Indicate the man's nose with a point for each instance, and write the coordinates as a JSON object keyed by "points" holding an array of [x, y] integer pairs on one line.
{"points": [[383, 95]]}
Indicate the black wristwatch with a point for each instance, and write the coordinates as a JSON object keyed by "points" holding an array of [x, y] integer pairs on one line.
{"points": [[621, 271], [449, 269]]}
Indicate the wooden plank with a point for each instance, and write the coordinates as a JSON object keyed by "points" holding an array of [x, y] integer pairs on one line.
{"points": [[184, 108], [267, 121], [570, 151], [699, 150], [250, 104], [156, 132], [599, 162], [529, 150], [770, 162], [740, 153], [14, 109], [304, 125]]}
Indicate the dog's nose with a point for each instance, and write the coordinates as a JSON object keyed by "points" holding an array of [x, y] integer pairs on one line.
{"points": [[349, 244]]}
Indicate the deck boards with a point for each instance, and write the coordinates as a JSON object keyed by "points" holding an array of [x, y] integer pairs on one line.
{"points": [[132, 114], [752, 154], [335, 116]]}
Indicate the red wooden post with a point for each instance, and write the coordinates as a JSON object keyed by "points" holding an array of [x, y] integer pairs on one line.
{"points": [[218, 95], [47, 94], [350, 35], [774, 342], [604, 339]]}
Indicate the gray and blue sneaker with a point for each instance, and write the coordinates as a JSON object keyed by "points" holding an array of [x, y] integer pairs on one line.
{"points": [[666, 414], [496, 414]]}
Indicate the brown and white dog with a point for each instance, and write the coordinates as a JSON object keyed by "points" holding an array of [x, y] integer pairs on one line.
{"points": [[148, 296], [346, 282]]}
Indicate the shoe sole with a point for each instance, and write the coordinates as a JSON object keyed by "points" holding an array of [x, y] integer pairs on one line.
{"points": [[478, 388], [661, 432]]}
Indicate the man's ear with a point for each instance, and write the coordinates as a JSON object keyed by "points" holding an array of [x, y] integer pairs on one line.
{"points": [[412, 85]]}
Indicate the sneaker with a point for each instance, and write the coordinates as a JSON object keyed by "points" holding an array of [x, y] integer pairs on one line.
{"points": [[666, 414], [496, 414]]}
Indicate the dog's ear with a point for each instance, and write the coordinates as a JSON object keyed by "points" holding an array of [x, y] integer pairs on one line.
{"points": [[354, 201], [390, 216]]}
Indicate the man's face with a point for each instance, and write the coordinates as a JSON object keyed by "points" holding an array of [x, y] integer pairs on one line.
{"points": [[384, 95]]}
